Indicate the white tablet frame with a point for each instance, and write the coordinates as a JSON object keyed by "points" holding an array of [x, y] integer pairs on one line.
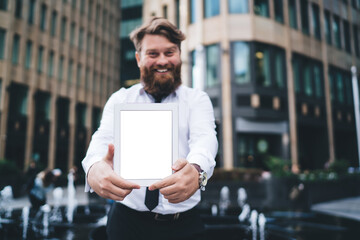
{"points": [[153, 108]]}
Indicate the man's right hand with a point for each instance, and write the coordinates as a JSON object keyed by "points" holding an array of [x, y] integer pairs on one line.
{"points": [[105, 182]]}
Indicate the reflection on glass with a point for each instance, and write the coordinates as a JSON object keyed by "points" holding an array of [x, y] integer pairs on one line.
{"points": [[304, 16], [296, 73], [327, 27], [331, 83], [212, 65], [241, 57], [340, 87], [262, 66], [211, 8], [336, 30], [279, 10], [261, 7], [292, 14], [193, 11], [316, 21], [318, 80], [279, 68], [307, 79], [238, 6]]}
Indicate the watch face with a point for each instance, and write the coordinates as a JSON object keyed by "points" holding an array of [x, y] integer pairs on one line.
{"points": [[204, 179]]}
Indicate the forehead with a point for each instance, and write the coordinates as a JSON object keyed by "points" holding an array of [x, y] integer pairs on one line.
{"points": [[158, 42]]}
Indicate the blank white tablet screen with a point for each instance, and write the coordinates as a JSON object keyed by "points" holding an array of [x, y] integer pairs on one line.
{"points": [[145, 144]]}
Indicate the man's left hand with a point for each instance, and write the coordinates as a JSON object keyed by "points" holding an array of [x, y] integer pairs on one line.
{"points": [[181, 185]]}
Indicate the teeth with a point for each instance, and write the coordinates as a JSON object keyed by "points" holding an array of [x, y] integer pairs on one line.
{"points": [[162, 70]]}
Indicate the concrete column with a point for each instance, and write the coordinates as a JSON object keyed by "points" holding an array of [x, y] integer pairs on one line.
{"points": [[329, 120], [30, 127], [52, 137], [72, 126], [227, 121], [291, 96]]}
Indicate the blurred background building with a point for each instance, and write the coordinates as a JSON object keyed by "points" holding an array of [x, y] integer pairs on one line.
{"points": [[58, 65], [277, 72]]}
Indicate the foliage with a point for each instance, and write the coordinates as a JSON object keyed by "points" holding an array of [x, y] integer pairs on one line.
{"points": [[278, 167], [8, 168], [339, 166]]}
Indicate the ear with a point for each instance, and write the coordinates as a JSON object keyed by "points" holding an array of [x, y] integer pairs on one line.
{"points": [[137, 56]]}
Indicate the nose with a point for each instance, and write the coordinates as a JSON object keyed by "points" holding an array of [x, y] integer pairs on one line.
{"points": [[162, 60]]}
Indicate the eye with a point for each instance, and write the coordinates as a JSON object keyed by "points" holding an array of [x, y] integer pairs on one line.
{"points": [[169, 53], [152, 54]]}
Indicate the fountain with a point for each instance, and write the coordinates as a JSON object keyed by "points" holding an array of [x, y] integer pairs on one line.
{"points": [[261, 223], [25, 217], [224, 201], [253, 223]]}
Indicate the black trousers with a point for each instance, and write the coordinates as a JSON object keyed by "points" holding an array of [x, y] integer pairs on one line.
{"points": [[127, 224]]}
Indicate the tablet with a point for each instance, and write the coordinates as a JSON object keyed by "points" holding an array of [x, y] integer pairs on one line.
{"points": [[146, 141]]}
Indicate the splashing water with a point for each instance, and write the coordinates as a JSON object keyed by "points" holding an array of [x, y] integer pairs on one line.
{"points": [[253, 223], [25, 217], [262, 222], [224, 202], [244, 213], [242, 196]]}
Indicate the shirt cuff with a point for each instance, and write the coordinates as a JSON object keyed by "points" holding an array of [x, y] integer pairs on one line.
{"points": [[204, 159], [87, 163]]}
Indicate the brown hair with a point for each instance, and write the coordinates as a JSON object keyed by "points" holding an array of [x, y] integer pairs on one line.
{"points": [[157, 26]]}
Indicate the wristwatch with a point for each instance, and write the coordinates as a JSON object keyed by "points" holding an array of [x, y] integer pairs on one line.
{"points": [[202, 177]]}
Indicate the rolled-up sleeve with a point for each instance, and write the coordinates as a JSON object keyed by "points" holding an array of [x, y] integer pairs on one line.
{"points": [[203, 143]]}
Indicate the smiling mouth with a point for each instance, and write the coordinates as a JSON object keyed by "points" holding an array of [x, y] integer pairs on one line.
{"points": [[161, 70]]}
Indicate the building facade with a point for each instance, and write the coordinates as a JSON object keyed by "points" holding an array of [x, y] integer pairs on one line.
{"points": [[58, 65], [277, 72]]}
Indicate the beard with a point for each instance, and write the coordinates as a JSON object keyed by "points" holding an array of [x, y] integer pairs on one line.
{"points": [[161, 85]]}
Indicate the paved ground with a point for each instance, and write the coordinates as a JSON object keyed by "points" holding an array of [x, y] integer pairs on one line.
{"points": [[346, 208]]}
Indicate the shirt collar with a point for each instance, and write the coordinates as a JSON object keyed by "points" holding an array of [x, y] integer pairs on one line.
{"points": [[142, 91]]}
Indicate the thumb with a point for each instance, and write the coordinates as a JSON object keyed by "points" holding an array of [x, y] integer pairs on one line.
{"points": [[110, 155], [179, 164]]}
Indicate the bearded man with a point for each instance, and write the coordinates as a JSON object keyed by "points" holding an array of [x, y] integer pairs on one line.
{"points": [[172, 214]]}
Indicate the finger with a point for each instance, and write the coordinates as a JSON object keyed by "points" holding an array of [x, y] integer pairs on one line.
{"points": [[179, 164], [110, 153], [122, 183], [170, 180]]}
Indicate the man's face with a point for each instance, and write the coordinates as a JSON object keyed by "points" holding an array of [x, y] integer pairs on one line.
{"points": [[160, 65]]}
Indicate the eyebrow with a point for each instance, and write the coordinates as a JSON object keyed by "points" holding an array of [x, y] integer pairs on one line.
{"points": [[166, 49]]}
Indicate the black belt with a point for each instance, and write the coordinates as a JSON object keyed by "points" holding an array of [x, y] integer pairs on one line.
{"points": [[157, 216]]}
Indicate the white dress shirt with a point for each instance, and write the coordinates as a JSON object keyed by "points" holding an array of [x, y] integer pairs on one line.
{"points": [[197, 139]]}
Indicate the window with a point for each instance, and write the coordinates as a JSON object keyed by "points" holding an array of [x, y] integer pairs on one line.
{"points": [[193, 11], [61, 68], [327, 27], [316, 21], [356, 41], [348, 89], [280, 65], [238, 6], [212, 65], [72, 34], [88, 44], [308, 88], [304, 16], [128, 25], [177, 13], [331, 84], [15, 50], [336, 30], [340, 87], [43, 17], [53, 23], [296, 73], [28, 54], [3, 5], [347, 36], [90, 9], [279, 11], [18, 8], [40, 59], [81, 37], [78, 75], [70, 71], [96, 46], [2, 43], [292, 14], [317, 73], [104, 19], [211, 8], [165, 11], [51, 64], [31, 14], [97, 14], [87, 80], [73, 3], [82, 6], [261, 7], [262, 66], [241, 61], [63, 28], [94, 87]]}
